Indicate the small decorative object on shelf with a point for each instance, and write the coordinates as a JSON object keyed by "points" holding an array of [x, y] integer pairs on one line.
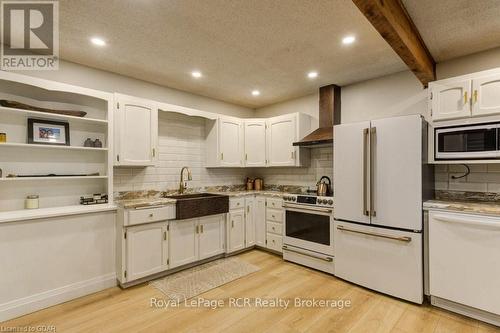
{"points": [[17, 105], [98, 143], [31, 202], [11, 175], [95, 199], [3, 137], [48, 132], [88, 143]]}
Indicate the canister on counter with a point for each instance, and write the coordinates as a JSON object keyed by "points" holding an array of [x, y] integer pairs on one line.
{"points": [[31, 202], [3, 137]]}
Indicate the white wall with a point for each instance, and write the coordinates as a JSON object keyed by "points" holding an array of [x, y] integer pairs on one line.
{"points": [[49, 261], [101, 80]]}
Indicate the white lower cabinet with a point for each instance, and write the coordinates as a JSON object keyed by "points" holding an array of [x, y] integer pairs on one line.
{"points": [[183, 242], [146, 250], [196, 239], [236, 230], [274, 217], [211, 236], [250, 221], [259, 218]]}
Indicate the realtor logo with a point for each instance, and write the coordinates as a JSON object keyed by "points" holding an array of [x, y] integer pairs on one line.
{"points": [[30, 35]]}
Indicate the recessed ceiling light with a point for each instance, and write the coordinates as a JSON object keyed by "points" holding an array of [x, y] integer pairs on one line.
{"points": [[255, 92], [98, 41], [348, 39], [196, 74], [312, 75]]}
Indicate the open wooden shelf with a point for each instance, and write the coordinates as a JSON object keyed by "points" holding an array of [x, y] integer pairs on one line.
{"points": [[37, 146], [52, 115], [13, 179]]}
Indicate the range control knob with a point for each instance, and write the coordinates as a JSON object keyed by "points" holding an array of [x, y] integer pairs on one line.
{"points": [[293, 198], [286, 198], [330, 202], [320, 201]]}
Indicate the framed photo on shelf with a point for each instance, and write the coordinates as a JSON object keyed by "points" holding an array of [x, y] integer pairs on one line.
{"points": [[47, 132]]}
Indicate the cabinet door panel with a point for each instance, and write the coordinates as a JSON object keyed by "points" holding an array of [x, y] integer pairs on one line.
{"points": [[211, 236], [236, 233], [145, 250], [183, 242], [451, 100], [486, 95], [255, 143], [136, 131], [281, 134], [231, 142], [259, 218], [250, 222]]}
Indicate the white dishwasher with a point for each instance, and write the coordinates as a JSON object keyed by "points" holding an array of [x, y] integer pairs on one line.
{"points": [[464, 264]]}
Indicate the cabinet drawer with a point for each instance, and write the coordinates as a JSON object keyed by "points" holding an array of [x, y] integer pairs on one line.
{"points": [[146, 215], [274, 203], [274, 215], [236, 203], [274, 242], [275, 228]]}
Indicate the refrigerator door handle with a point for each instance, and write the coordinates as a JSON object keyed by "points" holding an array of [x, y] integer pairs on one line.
{"points": [[365, 172], [405, 239], [373, 136]]}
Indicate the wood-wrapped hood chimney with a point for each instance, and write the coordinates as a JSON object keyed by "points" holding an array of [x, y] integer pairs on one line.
{"points": [[329, 115]]}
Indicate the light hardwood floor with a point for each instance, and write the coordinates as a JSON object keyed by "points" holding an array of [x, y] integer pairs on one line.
{"points": [[116, 310]]}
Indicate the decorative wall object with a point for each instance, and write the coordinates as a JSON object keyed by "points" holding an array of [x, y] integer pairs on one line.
{"points": [[18, 105], [48, 132]]}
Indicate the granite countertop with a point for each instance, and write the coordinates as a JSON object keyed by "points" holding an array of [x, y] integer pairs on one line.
{"points": [[144, 202], [155, 201], [470, 206]]}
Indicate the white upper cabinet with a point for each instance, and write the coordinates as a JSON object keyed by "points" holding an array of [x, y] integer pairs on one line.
{"points": [[136, 131], [486, 95], [281, 134], [466, 97], [255, 143], [450, 100], [225, 143]]}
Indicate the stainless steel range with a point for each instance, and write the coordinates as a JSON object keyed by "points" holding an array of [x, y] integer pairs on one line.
{"points": [[308, 234]]}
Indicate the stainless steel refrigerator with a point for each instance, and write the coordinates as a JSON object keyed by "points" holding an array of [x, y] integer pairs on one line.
{"points": [[380, 180]]}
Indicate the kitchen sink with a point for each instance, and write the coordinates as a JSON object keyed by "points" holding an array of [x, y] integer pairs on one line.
{"points": [[193, 205]]}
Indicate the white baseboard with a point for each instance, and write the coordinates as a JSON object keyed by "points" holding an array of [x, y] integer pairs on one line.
{"points": [[487, 317], [52, 297]]}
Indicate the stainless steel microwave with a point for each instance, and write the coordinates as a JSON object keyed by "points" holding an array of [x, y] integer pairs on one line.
{"points": [[467, 142]]}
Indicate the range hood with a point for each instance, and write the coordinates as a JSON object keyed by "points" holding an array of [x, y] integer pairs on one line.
{"points": [[329, 115]]}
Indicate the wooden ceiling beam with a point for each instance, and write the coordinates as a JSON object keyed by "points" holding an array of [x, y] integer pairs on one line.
{"points": [[392, 21]]}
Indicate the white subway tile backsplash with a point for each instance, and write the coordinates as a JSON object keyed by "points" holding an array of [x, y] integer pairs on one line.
{"points": [[182, 143], [482, 178]]}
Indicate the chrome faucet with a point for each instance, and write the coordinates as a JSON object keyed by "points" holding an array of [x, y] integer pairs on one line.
{"points": [[183, 183]]}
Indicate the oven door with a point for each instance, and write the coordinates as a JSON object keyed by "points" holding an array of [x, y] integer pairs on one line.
{"points": [[467, 142], [309, 228]]}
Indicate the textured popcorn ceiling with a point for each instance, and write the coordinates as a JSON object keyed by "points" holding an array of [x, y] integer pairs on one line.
{"points": [[239, 45], [453, 28]]}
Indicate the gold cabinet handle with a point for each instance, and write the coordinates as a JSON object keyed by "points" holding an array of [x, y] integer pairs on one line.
{"points": [[201, 228], [232, 223], [164, 235], [475, 96], [151, 215], [465, 97], [248, 209]]}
